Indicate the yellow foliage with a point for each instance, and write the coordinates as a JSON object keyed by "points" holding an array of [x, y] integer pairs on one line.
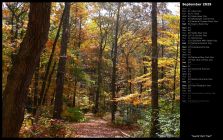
{"points": [[139, 79], [127, 98], [135, 99], [166, 62], [148, 83]]}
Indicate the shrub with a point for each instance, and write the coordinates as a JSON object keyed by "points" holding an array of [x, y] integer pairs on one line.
{"points": [[169, 124], [73, 115], [46, 128], [119, 120]]}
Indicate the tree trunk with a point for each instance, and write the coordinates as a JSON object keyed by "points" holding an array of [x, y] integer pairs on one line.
{"points": [[113, 85], [42, 92], [53, 97], [130, 84], [49, 82], [98, 92], [100, 55], [75, 92], [20, 76], [154, 92], [58, 103]]}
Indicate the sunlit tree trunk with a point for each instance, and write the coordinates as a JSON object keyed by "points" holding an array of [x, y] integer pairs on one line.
{"points": [[58, 103], [100, 55], [113, 86], [98, 92], [154, 92], [75, 92]]}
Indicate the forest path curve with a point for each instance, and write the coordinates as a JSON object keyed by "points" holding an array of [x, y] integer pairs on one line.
{"points": [[97, 127]]}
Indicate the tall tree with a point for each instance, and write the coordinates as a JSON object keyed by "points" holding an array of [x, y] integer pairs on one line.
{"points": [[154, 91], [100, 55], [19, 78], [114, 59], [49, 80], [43, 88], [103, 35], [77, 43], [58, 103], [75, 92]]}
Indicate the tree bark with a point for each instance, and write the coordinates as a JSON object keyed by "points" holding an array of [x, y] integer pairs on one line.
{"points": [[75, 92], [100, 55], [58, 103], [154, 92], [113, 85], [98, 92], [43, 88], [19, 78]]}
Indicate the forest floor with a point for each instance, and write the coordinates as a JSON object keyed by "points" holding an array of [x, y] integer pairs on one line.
{"points": [[97, 127]]}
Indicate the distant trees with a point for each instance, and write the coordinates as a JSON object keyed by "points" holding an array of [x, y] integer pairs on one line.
{"points": [[104, 29], [20, 76], [18, 13], [78, 18]]}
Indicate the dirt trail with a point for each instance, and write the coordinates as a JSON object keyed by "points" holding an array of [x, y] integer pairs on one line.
{"points": [[97, 127]]}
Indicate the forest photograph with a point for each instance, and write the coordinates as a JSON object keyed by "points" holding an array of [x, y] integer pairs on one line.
{"points": [[90, 69]]}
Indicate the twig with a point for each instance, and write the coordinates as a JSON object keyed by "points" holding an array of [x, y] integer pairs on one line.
{"points": [[125, 134]]}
